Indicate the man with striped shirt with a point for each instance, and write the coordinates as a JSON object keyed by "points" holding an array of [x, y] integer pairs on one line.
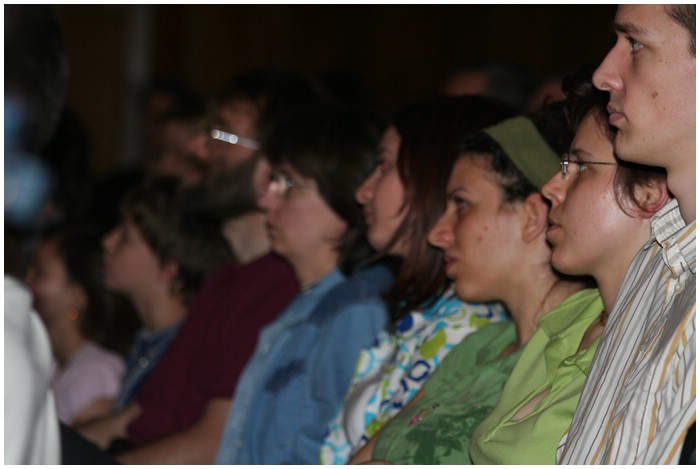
{"points": [[639, 398]]}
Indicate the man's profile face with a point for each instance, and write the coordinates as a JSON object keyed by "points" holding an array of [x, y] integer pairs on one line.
{"points": [[237, 118], [650, 74]]}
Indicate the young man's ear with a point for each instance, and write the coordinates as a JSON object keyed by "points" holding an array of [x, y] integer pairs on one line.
{"points": [[535, 213]]}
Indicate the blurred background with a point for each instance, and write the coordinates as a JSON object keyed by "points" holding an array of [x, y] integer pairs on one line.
{"points": [[395, 53]]}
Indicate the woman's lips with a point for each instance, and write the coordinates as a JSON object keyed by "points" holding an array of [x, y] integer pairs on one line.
{"points": [[552, 230]]}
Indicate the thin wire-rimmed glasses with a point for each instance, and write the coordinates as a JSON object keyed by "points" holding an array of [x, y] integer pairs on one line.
{"points": [[566, 160], [282, 183], [234, 139]]}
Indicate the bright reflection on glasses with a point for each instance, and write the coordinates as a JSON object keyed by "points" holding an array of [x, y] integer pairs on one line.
{"points": [[566, 160], [282, 183], [234, 139]]}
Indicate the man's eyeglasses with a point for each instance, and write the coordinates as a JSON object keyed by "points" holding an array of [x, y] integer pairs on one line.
{"points": [[282, 183], [566, 160], [234, 139]]}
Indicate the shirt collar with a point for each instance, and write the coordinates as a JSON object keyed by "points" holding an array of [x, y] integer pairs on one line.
{"points": [[675, 237], [557, 321]]}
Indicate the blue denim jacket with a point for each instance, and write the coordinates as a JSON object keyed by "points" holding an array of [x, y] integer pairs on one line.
{"points": [[301, 369], [144, 355]]}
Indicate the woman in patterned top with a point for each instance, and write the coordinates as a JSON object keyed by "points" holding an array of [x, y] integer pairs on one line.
{"points": [[402, 199]]}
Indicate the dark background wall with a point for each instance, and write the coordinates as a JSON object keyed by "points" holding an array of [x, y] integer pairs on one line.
{"points": [[401, 52]]}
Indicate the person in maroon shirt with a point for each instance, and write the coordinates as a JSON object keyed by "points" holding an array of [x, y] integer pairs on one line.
{"points": [[179, 412]]}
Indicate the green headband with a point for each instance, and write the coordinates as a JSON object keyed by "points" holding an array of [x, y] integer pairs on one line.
{"points": [[522, 142]]}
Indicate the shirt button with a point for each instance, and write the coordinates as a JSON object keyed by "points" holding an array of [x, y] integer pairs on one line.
{"points": [[678, 288], [238, 443], [143, 362]]}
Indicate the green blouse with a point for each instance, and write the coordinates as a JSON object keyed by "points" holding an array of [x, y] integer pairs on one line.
{"points": [[550, 361], [462, 391]]}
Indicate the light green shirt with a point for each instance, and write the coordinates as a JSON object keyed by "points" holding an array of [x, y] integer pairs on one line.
{"points": [[550, 360]]}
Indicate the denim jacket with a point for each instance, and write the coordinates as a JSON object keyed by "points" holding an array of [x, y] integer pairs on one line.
{"points": [[301, 369], [144, 355]]}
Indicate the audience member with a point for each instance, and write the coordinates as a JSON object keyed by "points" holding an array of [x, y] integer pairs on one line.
{"points": [[402, 199], [161, 99], [36, 72], [159, 102], [304, 360], [511, 83], [495, 218], [186, 400], [182, 146], [158, 259], [65, 278], [547, 91], [639, 398], [183, 423], [600, 217], [248, 108]]}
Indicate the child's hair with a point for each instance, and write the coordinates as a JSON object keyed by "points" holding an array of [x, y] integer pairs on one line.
{"points": [[175, 234], [79, 248]]}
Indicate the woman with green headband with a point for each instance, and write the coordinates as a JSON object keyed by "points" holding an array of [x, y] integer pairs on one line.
{"points": [[493, 237]]}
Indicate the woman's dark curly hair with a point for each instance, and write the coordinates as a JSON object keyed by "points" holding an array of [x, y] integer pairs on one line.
{"points": [[515, 187]]}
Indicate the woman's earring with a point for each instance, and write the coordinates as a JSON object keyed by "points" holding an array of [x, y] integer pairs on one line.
{"points": [[73, 314]]}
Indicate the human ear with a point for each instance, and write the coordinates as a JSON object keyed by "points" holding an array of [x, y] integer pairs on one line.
{"points": [[651, 197], [169, 273], [535, 212]]}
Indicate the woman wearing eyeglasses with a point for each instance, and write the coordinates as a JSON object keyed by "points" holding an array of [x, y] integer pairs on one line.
{"points": [[304, 360], [600, 218]]}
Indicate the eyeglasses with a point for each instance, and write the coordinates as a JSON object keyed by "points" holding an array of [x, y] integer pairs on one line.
{"points": [[282, 183], [234, 139], [566, 160]]}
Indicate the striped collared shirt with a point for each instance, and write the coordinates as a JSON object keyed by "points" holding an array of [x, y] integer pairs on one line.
{"points": [[639, 398]]}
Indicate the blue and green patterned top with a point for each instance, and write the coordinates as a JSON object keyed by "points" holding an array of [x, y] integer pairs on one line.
{"points": [[389, 374]]}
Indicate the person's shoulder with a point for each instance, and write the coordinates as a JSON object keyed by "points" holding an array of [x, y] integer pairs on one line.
{"points": [[365, 284], [93, 355], [266, 271], [269, 265]]}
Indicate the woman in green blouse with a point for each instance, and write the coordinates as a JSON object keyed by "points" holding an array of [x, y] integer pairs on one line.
{"points": [[600, 218]]}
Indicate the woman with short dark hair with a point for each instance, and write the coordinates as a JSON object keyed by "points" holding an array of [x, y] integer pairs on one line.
{"points": [[304, 360]]}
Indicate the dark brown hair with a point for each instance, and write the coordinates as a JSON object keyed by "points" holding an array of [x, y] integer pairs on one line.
{"points": [[175, 234], [337, 148], [514, 185], [79, 248], [684, 15], [430, 133], [584, 99]]}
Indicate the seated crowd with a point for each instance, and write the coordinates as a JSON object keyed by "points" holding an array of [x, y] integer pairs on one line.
{"points": [[461, 283]]}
